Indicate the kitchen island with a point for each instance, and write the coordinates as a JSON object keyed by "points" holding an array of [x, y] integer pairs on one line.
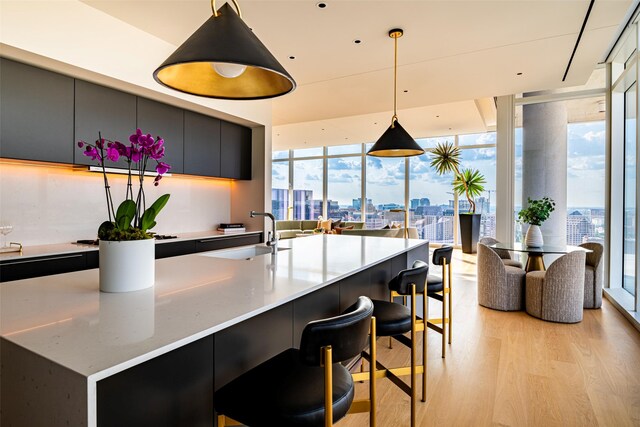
{"points": [[74, 356]]}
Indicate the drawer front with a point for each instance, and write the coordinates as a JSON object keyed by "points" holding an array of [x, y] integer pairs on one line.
{"points": [[166, 250], [36, 267]]}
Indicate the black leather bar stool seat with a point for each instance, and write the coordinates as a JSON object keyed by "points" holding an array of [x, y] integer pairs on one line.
{"points": [[285, 391], [434, 284], [307, 386], [391, 318]]}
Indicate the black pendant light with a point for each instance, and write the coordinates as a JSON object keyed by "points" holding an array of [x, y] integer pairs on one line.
{"points": [[395, 142], [224, 59]]}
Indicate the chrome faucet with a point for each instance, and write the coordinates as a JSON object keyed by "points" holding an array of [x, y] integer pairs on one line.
{"points": [[272, 237]]}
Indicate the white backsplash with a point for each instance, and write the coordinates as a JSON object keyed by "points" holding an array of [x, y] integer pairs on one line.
{"points": [[58, 204]]}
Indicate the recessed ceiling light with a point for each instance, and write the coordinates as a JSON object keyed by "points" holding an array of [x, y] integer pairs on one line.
{"points": [[405, 91], [518, 74], [357, 41], [449, 128], [437, 117], [292, 57], [321, 5]]}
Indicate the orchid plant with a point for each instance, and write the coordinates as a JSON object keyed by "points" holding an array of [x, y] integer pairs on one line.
{"points": [[132, 220]]}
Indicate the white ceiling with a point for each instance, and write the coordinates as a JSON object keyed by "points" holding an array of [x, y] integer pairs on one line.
{"points": [[452, 53]]}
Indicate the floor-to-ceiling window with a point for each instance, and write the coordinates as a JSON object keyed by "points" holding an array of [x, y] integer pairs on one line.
{"points": [[378, 190], [280, 185], [630, 188], [384, 191], [344, 182], [431, 201], [478, 151], [307, 189], [623, 263]]}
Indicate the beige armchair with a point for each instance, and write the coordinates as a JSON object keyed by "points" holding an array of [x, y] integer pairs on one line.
{"points": [[502, 253], [500, 286], [557, 294], [593, 275]]}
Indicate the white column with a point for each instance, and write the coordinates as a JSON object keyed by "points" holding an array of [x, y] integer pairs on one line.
{"points": [[505, 168], [544, 163]]}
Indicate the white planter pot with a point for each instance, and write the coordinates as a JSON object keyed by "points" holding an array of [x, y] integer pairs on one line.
{"points": [[127, 265], [534, 237]]}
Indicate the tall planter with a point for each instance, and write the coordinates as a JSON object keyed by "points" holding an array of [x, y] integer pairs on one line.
{"points": [[127, 266], [469, 232]]}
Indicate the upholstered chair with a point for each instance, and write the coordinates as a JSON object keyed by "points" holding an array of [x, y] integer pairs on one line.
{"points": [[500, 286], [593, 275], [502, 253], [557, 295]]}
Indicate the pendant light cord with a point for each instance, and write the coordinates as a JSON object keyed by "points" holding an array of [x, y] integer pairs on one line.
{"points": [[395, 82], [215, 10]]}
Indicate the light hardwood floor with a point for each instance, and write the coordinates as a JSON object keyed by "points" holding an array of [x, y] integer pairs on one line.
{"points": [[510, 369]]}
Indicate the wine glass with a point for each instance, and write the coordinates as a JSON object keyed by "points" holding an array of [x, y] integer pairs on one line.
{"points": [[5, 228]]}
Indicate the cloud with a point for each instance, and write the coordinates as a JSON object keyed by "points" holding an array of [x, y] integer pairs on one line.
{"points": [[374, 162], [344, 164], [310, 177], [342, 178], [594, 136]]}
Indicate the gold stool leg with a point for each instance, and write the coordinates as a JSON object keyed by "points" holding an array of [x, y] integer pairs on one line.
{"points": [[425, 315], [328, 386], [372, 374], [450, 305], [413, 355]]}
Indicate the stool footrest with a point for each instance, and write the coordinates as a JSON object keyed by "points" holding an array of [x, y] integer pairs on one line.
{"points": [[359, 406], [393, 374], [435, 327]]}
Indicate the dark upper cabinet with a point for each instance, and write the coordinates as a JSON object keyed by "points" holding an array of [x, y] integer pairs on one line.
{"points": [[168, 122], [201, 144], [37, 113], [235, 151], [105, 110]]}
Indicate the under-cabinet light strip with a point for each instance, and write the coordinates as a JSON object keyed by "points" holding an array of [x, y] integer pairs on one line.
{"points": [[122, 171]]}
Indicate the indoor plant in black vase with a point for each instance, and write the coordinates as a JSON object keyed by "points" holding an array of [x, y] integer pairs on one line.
{"points": [[127, 248], [445, 158]]}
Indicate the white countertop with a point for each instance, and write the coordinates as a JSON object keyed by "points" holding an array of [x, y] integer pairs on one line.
{"points": [[68, 248], [65, 318]]}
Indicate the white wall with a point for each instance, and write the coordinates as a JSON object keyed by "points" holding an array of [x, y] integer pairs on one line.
{"points": [[58, 204]]}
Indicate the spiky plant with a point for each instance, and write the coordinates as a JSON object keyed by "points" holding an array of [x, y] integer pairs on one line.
{"points": [[445, 158]]}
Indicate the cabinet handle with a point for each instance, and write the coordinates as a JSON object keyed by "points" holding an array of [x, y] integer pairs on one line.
{"points": [[42, 259]]}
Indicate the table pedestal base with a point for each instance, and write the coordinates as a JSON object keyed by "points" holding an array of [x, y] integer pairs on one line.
{"points": [[535, 262]]}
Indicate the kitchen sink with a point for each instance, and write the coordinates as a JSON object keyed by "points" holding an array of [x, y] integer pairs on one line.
{"points": [[247, 252]]}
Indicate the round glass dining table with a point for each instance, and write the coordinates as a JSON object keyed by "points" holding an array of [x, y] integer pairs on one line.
{"points": [[535, 255]]}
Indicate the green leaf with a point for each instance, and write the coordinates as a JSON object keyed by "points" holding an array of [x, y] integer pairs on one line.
{"points": [[125, 214], [149, 216], [105, 230], [445, 158]]}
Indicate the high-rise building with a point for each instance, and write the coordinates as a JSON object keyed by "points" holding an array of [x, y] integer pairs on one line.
{"points": [[279, 202], [579, 228], [302, 208]]}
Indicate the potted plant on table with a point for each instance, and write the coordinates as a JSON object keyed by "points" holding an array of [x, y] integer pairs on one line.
{"points": [[127, 248], [537, 212], [445, 158]]}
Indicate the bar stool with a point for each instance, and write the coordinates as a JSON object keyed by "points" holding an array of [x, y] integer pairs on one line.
{"points": [[439, 288], [309, 386], [394, 320]]}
